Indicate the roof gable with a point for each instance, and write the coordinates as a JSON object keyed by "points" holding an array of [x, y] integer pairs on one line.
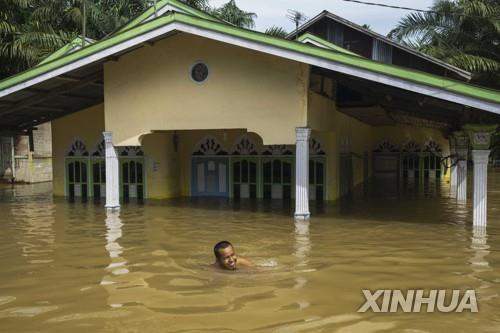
{"points": [[412, 80], [73, 46], [326, 14], [308, 38], [162, 7]]}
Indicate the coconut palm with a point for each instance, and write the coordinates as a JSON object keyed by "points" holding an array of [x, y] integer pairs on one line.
{"points": [[464, 33], [199, 4], [230, 12], [276, 31], [32, 29]]}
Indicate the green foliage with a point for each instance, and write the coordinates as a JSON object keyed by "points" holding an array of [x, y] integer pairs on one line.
{"points": [[276, 31], [231, 13], [464, 33], [30, 30]]}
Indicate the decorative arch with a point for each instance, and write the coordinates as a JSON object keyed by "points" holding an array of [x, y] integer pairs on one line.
{"points": [[315, 147], [244, 146], [131, 151], [278, 150], [411, 147], [432, 147], [209, 145], [99, 150], [386, 147], [78, 148]]}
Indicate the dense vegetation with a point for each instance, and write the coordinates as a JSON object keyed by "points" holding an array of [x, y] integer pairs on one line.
{"points": [[464, 33], [30, 30]]}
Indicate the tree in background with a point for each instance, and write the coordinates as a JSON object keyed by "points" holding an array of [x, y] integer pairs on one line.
{"points": [[464, 33], [30, 30], [276, 31], [231, 13]]}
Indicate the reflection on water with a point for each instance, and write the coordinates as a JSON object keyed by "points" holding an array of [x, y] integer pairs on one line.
{"points": [[75, 267]]}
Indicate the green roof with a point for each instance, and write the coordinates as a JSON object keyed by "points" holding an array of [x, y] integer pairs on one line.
{"points": [[182, 7], [324, 43], [408, 75], [72, 46]]}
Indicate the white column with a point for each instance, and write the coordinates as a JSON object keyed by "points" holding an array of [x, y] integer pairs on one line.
{"points": [[480, 160], [462, 175], [302, 135], [112, 173], [453, 172]]}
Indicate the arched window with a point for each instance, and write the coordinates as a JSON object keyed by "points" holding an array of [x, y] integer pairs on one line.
{"points": [[278, 150], [244, 146], [386, 147], [131, 151], [209, 146], [78, 149]]}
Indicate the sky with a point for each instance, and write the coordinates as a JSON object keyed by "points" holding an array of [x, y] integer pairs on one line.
{"points": [[381, 20]]}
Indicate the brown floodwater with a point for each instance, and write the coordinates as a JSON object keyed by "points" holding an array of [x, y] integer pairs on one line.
{"points": [[68, 267]]}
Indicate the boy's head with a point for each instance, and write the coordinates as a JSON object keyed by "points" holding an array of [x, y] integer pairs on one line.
{"points": [[225, 255]]}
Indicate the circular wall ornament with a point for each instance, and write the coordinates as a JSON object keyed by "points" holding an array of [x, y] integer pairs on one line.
{"points": [[199, 72]]}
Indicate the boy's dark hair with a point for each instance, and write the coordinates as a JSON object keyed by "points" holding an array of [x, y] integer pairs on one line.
{"points": [[221, 246]]}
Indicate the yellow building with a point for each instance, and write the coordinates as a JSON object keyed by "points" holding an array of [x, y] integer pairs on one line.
{"points": [[191, 106]]}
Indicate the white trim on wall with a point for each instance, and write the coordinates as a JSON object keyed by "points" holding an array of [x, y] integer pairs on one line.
{"points": [[274, 50]]}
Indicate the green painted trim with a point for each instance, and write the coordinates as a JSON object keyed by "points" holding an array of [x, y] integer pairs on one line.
{"points": [[174, 3], [325, 43], [409, 75], [66, 49]]}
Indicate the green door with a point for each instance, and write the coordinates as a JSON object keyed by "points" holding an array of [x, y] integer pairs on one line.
{"points": [[77, 178], [245, 174], [132, 178], [98, 178], [277, 178], [317, 170]]}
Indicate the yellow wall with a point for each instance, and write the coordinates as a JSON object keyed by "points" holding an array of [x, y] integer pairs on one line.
{"points": [[245, 89], [86, 125], [334, 127], [161, 165]]}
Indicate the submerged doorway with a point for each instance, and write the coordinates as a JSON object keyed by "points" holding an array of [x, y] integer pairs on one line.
{"points": [[132, 178], [77, 178], [244, 178], [210, 177], [277, 178]]}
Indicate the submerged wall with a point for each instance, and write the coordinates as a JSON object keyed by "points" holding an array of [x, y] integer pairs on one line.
{"points": [[340, 134], [87, 126]]}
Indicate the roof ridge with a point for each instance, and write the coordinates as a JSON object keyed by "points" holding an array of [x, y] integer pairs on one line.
{"points": [[374, 34], [66, 49], [397, 72], [145, 15]]}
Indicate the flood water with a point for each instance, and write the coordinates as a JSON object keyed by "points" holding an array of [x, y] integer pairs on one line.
{"points": [[69, 267]]}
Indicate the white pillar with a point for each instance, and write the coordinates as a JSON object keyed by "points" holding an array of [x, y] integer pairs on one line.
{"points": [[453, 172], [112, 173], [480, 160], [302, 135], [462, 175]]}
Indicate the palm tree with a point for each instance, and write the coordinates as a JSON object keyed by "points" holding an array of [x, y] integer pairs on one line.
{"points": [[199, 4], [230, 12], [464, 33], [276, 31], [30, 30]]}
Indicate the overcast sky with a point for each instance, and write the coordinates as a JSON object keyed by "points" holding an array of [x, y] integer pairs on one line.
{"points": [[381, 20]]}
